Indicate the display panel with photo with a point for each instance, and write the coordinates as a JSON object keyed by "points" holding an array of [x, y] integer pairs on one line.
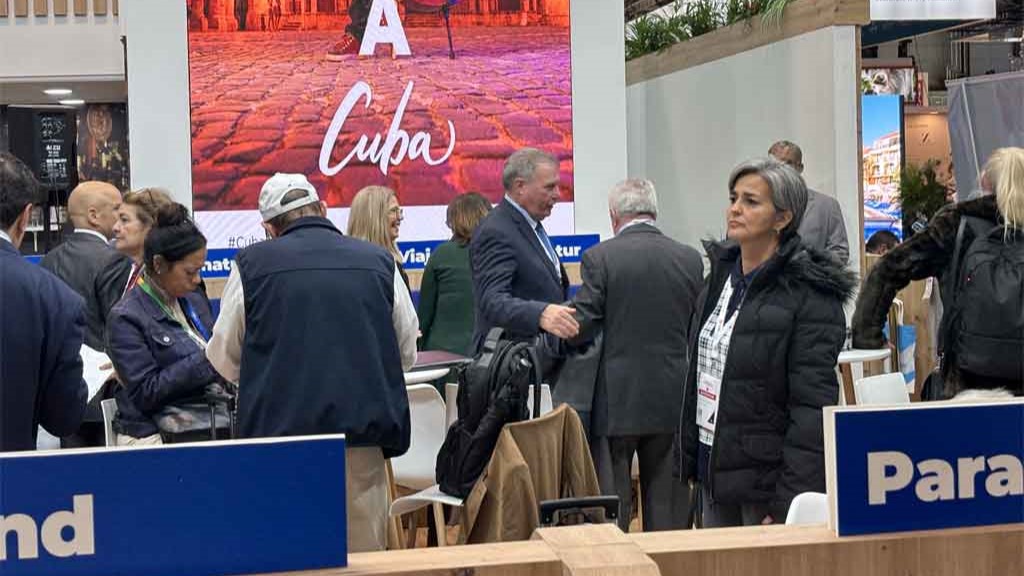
{"points": [[882, 129], [277, 86]]}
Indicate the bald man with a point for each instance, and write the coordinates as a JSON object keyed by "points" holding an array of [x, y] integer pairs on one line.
{"points": [[92, 208]]}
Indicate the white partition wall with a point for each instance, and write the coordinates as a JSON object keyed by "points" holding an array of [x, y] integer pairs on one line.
{"points": [[688, 129]]}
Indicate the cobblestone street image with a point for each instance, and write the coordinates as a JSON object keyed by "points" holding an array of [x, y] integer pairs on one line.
{"points": [[263, 102]]}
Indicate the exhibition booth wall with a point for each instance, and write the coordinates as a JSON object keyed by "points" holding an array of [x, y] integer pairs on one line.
{"points": [[699, 108]]}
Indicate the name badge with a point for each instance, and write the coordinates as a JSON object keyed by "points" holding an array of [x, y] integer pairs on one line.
{"points": [[708, 390]]}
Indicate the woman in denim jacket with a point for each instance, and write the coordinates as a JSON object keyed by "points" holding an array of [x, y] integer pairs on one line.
{"points": [[156, 335]]}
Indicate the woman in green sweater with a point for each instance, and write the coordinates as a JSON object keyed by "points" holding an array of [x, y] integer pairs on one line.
{"points": [[446, 291]]}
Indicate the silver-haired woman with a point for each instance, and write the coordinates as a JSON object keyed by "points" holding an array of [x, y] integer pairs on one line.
{"points": [[771, 325]]}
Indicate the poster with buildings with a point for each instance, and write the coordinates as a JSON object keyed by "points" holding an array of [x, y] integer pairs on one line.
{"points": [[882, 130]]}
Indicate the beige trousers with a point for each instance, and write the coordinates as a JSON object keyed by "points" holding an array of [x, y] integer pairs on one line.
{"points": [[366, 494], [125, 440]]}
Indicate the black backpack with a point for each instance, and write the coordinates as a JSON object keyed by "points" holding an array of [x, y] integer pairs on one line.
{"points": [[982, 328], [492, 392]]}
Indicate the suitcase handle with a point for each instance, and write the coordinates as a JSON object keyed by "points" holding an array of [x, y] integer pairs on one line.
{"points": [[548, 508]]}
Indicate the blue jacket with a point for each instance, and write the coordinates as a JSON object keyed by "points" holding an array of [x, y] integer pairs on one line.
{"points": [[156, 360], [320, 354], [42, 323], [513, 278]]}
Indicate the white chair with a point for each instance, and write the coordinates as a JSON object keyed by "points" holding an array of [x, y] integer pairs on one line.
{"points": [[109, 409], [808, 508], [415, 469], [883, 389]]}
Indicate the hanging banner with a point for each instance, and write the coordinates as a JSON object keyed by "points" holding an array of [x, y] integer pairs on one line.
{"points": [[427, 97]]}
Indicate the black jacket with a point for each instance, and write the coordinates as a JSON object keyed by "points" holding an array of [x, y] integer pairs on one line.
{"points": [[779, 373], [926, 254], [81, 261], [640, 288], [41, 325]]}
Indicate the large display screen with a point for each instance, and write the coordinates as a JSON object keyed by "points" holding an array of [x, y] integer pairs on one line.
{"points": [[882, 130], [442, 94]]}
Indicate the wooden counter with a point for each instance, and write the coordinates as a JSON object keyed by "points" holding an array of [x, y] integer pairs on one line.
{"points": [[757, 551]]}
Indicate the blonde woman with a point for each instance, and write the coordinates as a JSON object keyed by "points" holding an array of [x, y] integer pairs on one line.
{"points": [[981, 285], [376, 216]]}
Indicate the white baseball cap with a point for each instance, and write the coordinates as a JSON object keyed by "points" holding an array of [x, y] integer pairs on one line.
{"points": [[275, 189]]}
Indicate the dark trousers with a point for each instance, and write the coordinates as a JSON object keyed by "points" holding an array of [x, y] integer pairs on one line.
{"points": [[721, 515], [666, 501], [358, 12]]}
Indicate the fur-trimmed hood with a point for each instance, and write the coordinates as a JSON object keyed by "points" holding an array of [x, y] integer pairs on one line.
{"points": [[793, 264]]}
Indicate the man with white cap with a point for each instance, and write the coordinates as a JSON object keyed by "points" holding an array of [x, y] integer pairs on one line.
{"points": [[317, 328]]}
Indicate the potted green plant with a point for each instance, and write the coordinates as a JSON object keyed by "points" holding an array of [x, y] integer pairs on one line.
{"points": [[921, 195]]}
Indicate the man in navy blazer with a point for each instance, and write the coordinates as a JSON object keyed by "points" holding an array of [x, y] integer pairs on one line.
{"points": [[518, 280], [42, 323]]}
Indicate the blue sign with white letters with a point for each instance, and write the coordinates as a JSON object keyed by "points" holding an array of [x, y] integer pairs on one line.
{"points": [[927, 467], [205, 509], [414, 254]]}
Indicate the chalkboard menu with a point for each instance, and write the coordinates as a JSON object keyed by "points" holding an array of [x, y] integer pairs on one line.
{"points": [[56, 140]]}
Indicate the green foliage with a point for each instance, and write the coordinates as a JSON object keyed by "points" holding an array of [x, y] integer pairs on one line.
{"points": [[772, 12], [741, 10], [703, 16], [654, 32], [921, 193]]}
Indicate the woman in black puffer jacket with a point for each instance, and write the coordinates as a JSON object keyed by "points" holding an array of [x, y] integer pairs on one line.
{"points": [[770, 329]]}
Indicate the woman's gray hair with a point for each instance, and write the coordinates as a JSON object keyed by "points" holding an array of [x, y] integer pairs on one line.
{"points": [[522, 164], [632, 197], [789, 192]]}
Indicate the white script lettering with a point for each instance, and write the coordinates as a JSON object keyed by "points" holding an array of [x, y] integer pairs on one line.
{"points": [[395, 146]]}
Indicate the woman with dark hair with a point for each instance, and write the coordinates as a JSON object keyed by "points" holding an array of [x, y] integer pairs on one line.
{"points": [[770, 328], [446, 291], [157, 333]]}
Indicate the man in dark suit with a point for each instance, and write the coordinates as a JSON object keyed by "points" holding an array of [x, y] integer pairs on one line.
{"points": [[639, 290], [41, 324], [518, 280], [92, 208]]}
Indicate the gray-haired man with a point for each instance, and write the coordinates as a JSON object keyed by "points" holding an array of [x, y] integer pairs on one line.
{"points": [[823, 227], [639, 289]]}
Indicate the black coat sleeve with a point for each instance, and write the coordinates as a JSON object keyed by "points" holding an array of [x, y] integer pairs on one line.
{"points": [[813, 349], [926, 254]]}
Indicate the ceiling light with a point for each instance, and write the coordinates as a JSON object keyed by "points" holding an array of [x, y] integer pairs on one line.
{"points": [[57, 91], [72, 102]]}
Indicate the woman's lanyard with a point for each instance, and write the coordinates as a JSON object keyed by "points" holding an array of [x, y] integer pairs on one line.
{"points": [[722, 327], [186, 306]]}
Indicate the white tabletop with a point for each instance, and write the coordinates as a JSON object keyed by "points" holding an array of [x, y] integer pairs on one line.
{"points": [[422, 376], [857, 355]]}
